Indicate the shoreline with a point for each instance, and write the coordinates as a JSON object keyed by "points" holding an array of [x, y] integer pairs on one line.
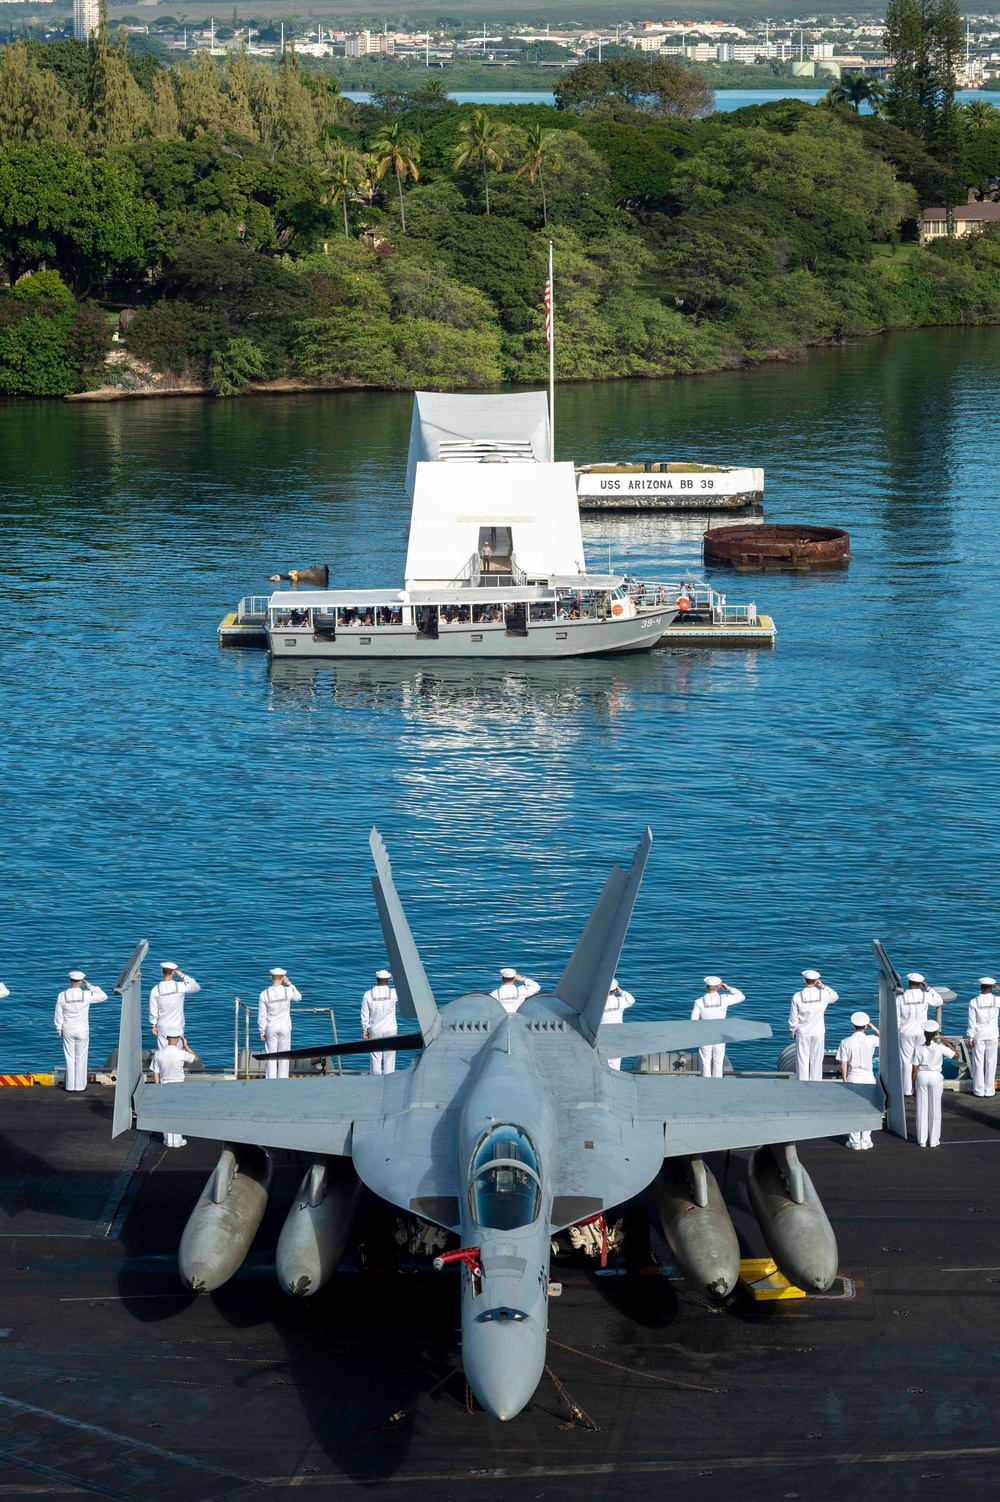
{"points": [[293, 386]]}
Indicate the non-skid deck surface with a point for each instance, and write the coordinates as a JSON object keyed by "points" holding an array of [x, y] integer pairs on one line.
{"points": [[114, 1382]]}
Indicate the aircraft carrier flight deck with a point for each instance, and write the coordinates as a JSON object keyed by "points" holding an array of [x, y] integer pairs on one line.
{"points": [[117, 1382]]}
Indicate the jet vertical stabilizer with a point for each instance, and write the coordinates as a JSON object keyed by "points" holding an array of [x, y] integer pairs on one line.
{"points": [[890, 1060], [410, 979], [587, 978], [128, 1071]]}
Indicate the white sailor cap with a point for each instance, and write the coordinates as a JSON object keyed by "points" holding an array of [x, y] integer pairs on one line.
{"points": [[278, 970], [382, 974], [168, 965], [860, 1019], [508, 972], [987, 980], [77, 975], [713, 980], [930, 1028], [915, 977], [810, 975], [614, 984]]}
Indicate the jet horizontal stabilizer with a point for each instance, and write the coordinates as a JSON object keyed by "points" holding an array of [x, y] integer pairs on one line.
{"points": [[587, 978], [396, 1044], [624, 1040]]}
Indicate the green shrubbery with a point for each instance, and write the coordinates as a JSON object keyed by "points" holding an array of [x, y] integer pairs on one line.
{"points": [[254, 223]]}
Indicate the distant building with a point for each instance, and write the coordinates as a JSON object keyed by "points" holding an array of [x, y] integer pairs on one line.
{"points": [[86, 17], [967, 219], [754, 52], [364, 43]]}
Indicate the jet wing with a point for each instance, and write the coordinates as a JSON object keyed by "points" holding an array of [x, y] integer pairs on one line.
{"points": [[310, 1116], [624, 1040], [707, 1116]]}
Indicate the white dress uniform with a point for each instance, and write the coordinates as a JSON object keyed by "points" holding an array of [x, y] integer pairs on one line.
{"points": [[274, 1022], [511, 993], [166, 1007], [930, 1087], [858, 1052], [168, 1069], [712, 1007], [614, 1011], [911, 1011], [72, 1019], [806, 1021], [984, 1031], [378, 1020]]}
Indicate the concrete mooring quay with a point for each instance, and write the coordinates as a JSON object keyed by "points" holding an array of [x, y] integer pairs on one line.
{"points": [[115, 1382]]}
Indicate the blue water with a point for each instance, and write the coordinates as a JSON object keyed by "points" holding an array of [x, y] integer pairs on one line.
{"points": [[725, 99], [804, 800]]}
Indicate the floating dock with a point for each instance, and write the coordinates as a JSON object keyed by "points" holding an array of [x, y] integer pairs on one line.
{"points": [[118, 1383]]}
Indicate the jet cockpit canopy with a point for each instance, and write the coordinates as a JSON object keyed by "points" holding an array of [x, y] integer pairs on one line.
{"points": [[505, 1189]]}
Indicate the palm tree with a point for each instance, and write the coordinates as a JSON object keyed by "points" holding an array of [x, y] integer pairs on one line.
{"points": [[485, 145], [344, 178], [398, 148], [979, 114], [541, 149], [431, 94], [854, 89]]}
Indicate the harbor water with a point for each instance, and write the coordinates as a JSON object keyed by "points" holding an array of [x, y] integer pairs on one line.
{"points": [[804, 800]]}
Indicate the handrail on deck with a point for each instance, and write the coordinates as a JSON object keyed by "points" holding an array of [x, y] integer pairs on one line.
{"points": [[247, 1007], [701, 595]]}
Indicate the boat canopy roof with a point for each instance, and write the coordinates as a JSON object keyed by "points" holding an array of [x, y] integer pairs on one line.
{"points": [[447, 428], [450, 594]]}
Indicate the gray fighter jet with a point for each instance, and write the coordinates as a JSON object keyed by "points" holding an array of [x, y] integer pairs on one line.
{"points": [[506, 1130]]}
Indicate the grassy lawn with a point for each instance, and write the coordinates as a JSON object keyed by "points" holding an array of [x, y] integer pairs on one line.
{"points": [[896, 252]]}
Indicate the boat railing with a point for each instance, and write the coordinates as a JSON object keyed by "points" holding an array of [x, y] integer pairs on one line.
{"points": [[470, 574], [702, 600], [252, 608], [244, 1064]]}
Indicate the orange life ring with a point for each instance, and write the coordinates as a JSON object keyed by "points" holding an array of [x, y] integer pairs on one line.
{"points": [[683, 603], [617, 609]]}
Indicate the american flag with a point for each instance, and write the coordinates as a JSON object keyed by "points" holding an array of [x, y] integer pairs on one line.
{"points": [[547, 302]]}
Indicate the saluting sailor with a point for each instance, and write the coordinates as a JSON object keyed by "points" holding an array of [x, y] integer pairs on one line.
{"points": [[168, 1069], [72, 1019], [983, 1031], [513, 989], [807, 1025], [929, 1083], [712, 1007], [614, 1011], [911, 1010], [274, 1020], [166, 1003], [856, 1057], [378, 1020]]}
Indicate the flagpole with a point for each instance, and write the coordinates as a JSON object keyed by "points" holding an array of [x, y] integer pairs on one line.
{"points": [[552, 365]]}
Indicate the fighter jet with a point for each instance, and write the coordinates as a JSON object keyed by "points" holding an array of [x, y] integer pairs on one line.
{"points": [[508, 1129]]}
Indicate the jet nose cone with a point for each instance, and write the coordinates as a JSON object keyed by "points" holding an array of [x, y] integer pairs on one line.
{"points": [[504, 1364]]}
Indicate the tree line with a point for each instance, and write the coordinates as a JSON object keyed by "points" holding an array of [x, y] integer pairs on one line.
{"points": [[246, 223]]}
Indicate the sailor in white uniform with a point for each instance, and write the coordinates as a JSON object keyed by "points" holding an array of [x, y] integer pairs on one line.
{"points": [[614, 1011], [712, 1007], [274, 1020], [982, 1034], [807, 1025], [929, 1083], [513, 989], [378, 1019], [72, 1021], [168, 1069], [166, 1003], [911, 1010], [856, 1057]]}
